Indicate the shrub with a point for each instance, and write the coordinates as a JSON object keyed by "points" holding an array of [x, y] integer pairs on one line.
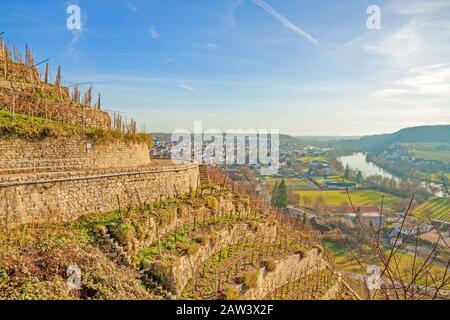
{"points": [[245, 200], [211, 202], [319, 248], [167, 215], [251, 279], [202, 239], [253, 225], [192, 249], [182, 247], [3, 276], [231, 293], [125, 232], [214, 237], [270, 264], [100, 228], [301, 252]]}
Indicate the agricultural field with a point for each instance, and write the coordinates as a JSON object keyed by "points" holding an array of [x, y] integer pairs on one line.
{"points": [[436, 177], [435, 209], [359, 197], [430, 151], [309, 159], [333, 178], [292, 183]]}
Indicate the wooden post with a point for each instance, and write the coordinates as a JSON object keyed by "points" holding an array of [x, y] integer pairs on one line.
{"points": [[216, 285], [4, 60], [83, 121], [32, 80], [195, 221], [14, 110], [176, 229]]}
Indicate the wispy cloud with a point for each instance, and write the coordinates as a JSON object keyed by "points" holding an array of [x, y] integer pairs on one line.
{"points": [[72, 48], [187, 87], [229, 16], [132, 7], [429, 84], [210, 45], [420, 41], [286, 22], [153, 33], [419, 7], [403, 42]]}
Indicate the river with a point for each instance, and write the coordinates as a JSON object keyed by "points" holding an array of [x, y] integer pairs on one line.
{"points": [[358, 161]]}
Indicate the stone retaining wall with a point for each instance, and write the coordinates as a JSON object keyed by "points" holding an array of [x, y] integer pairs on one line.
{"points": [[155, 227], [67, 199], [181, 270], [268, 282], [65, 154]]}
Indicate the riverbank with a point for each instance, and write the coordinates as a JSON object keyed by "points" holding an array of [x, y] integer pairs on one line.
{"points": [[369, 168]]}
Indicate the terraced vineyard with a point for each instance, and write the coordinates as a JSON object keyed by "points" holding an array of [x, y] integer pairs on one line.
{"points": [[434, 209], [311, 286], [216, 245], [211, 244], [240, 264], [344, 294]]}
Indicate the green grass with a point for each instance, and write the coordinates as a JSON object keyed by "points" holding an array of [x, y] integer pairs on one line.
{"points": [[292, 183], [436, 177], [346, 262], [344, 259], [430, 151], [434, 209], [309, 159], [359, 197]]}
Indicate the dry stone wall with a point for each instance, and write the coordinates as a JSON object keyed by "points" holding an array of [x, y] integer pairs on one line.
{"points": [[43, 90], [67, 199], [155, 227], [18, 72], [184, 267], [65, 154], [268, 282]]}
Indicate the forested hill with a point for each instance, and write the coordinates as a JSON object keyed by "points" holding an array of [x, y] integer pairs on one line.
{"points": [[424, 134]]}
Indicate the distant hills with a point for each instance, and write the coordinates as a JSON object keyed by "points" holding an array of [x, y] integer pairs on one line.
{"points": [[423, 134]]}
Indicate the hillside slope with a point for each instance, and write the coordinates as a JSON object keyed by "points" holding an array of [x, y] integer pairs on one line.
{"points": [[423, 134]]}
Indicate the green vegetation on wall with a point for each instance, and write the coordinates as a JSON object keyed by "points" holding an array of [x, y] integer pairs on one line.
{"points": [[27, 127]]}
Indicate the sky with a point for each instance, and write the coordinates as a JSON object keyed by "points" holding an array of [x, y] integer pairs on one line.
{"points": [[302, 67]]}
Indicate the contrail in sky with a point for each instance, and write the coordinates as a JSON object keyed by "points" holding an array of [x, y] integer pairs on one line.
{"points": [[286, 22]]}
